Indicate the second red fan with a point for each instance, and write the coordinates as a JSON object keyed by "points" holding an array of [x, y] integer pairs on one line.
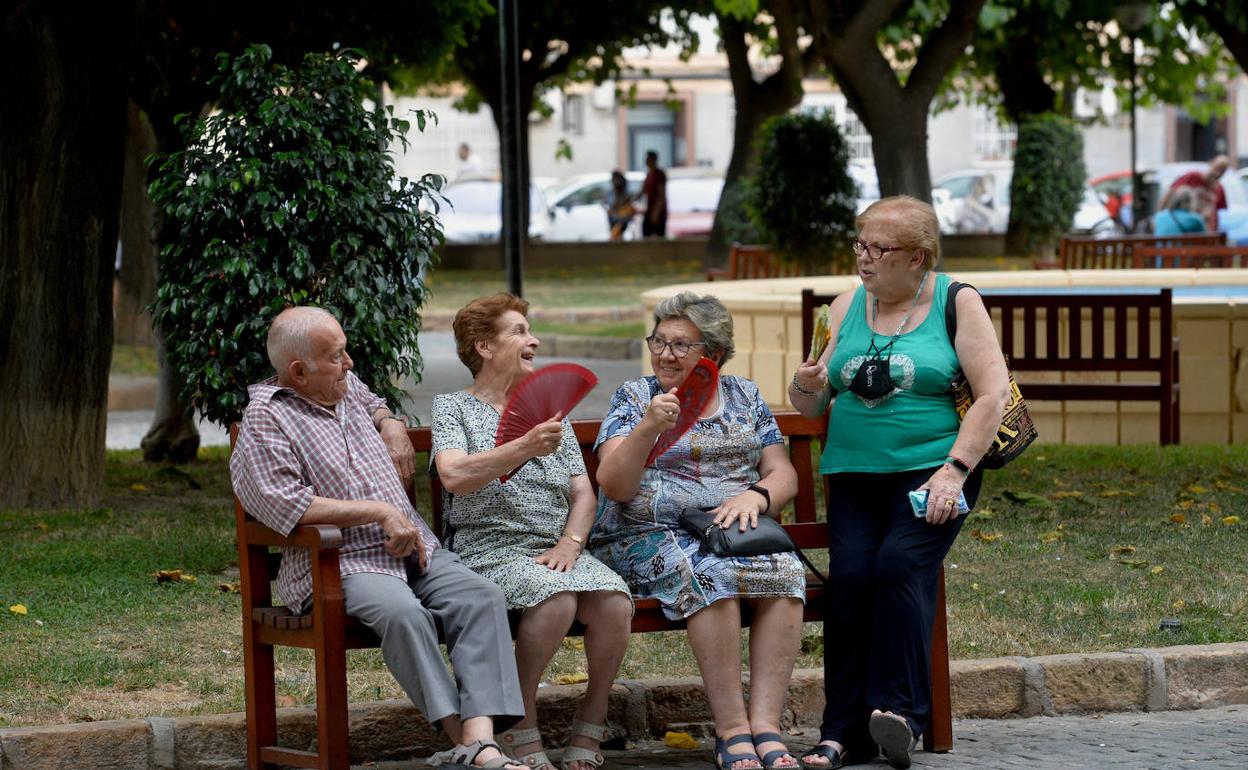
{"points": [[551, 390], [694, 394]]}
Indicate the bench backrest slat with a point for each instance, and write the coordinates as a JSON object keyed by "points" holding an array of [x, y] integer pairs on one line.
{"points": [[800, 431], [1088, 253]]}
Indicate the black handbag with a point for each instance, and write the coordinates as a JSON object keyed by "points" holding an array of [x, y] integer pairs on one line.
{"points": [[768, 537]]}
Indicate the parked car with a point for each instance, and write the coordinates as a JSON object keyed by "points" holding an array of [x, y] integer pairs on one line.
{"points": [[978, 201], [578, 207], [691, 203], [472, 211], [868, 185]]}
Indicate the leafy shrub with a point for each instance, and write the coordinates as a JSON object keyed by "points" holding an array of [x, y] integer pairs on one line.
{"points": [[1047, 184], [734, 214], [801, 196], [287, 196]]}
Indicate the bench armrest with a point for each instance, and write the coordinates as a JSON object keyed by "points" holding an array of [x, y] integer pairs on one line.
{"points": [[314, 536]]}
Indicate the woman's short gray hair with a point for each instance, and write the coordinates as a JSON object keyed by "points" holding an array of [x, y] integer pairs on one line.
{"points": [[707, 313]]}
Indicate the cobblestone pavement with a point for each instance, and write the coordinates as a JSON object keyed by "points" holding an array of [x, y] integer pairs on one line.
{"points": [[1206, 739]]}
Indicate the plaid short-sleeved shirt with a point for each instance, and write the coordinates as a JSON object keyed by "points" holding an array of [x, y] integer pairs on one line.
{"points": [[290, 449]]}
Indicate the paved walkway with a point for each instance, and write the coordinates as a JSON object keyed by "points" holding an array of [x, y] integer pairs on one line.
{"points": [[443, 373], [1207, 739]]}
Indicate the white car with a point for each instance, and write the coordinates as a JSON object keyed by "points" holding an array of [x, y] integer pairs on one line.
{"points": [[578, 207], [978, 201], [472, 211]]}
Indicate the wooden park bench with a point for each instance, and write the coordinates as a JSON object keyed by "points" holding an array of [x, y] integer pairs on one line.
{"points": [[752, 262], [1076, 332], [1144, 257], [330, 632], [1088, 253]]}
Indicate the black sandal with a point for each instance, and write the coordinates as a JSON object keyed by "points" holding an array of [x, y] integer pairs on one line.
{"points": [[892, 733], [836, 759]]}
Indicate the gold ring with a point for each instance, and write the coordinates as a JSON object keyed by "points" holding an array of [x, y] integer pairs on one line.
{"points": [[948, 502]]}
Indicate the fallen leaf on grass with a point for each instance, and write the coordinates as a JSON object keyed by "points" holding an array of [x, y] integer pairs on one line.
{"points": [[1067, 493], [974, 586], [41, 526], [985, 537], [1230, 521], [1226, 486], [1206, 519], [1123, 549], [1027, 498], [680, 741], [229, 588], [1118, 493], [1185, 504], [1195, 489], [174, 576], [1053, 534], [18, 609], [1179, 604], [1157, 570], [576, 678], [1213, 507], [573, 643], [138, 487], [1178, 518], [1133, 563]]}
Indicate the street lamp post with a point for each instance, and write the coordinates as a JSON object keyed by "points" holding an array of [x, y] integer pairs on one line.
{"points": [[1131, 18], [511, 123]]}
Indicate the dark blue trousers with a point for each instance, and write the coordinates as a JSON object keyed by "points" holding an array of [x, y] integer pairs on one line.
{"points": [[880, 603]]}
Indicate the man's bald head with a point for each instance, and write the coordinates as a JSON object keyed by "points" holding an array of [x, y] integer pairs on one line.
{"points": [[290, 335], [1218, 167]]}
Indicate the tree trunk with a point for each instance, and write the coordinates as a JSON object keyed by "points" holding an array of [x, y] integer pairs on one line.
{"points": [[895, 114], [755, 102], [136, 282], [61, 146], [173, 434]]}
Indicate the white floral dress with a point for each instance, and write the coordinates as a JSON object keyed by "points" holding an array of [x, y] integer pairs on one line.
{"points": [[499, 529]]}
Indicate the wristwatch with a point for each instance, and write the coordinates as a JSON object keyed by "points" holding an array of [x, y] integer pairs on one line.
{"points": [[762, 491]]}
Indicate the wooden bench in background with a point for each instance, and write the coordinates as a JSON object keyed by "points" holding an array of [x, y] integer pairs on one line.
{"points": [[752, 262], [1087, 253], [329, 632], [1059, 333], [1145, 257]]}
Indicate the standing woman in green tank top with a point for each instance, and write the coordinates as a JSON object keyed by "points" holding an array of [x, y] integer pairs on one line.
{"points": [[884, 380]]}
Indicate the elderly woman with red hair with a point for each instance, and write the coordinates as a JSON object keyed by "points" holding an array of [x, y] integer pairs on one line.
{"points": [[529, 535]]}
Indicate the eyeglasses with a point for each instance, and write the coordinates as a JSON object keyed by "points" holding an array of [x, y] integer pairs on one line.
{"points": [[680, 348], [874, 250]]}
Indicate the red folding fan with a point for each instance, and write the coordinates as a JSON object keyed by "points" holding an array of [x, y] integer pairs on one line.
{"points": [[551, 390], [694, 394]]}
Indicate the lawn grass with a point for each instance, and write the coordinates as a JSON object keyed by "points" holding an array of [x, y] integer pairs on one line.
{"points": [[1071, 549]]}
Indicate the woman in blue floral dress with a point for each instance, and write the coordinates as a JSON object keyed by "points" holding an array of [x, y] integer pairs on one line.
{"points": [[734, 461]]}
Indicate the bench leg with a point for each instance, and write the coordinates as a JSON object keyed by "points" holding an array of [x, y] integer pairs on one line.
{"points": [[331, 703], [261, 697], [938, 737]]}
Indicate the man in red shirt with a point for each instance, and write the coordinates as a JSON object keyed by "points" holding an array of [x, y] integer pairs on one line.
{"points": [[1211, 196], [655, 189]]}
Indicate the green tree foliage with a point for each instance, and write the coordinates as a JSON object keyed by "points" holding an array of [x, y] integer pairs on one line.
{"points": [[801, 197], [287, 196], [1048, 181]]}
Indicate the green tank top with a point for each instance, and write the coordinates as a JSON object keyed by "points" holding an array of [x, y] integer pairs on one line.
{"points": [[912, 427]]}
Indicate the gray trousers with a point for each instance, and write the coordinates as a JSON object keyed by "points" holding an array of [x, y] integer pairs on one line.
{"points": [[472, 614]]}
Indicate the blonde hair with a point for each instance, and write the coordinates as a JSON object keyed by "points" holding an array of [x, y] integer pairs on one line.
{"points": [[478, 320], [912, 221]]}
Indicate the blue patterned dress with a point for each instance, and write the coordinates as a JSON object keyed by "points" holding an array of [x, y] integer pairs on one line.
{"points": [[717, 459]]}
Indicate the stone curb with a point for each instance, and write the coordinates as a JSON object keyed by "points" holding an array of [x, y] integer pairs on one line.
{"points": [[1184, 677]]}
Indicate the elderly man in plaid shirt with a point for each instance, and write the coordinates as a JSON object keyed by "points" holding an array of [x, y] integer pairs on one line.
{"points": [[318, 447]]}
